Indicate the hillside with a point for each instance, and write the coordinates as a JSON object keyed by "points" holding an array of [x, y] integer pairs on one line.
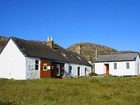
{"points": [[3, 40], [90, 50]]}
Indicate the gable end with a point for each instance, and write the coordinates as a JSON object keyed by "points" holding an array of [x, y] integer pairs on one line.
{"points": [[15, 45]]}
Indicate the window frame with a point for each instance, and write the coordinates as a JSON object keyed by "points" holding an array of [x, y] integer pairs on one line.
{"points": [[36, 65], [85, 71], [115, 66], [45, 65], [127, 65], [70, 69], [78, 71], [58, 66]]}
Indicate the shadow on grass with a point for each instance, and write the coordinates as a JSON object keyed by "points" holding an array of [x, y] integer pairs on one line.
{"points": [[6, 103]]}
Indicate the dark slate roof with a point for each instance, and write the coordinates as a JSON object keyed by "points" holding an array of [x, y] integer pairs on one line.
{"points": [[1, 48], [37, 49], [72, 57], [41, 50], [117, 57]]}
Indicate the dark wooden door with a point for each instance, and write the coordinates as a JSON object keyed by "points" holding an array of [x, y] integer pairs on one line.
{"points": [[57, 69], [107, 69]]}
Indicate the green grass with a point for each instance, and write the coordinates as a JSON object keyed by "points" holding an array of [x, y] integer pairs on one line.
{"points": [[82, 91]]}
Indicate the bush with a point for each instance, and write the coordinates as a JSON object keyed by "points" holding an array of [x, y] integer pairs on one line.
{"points": [[92, 74]]}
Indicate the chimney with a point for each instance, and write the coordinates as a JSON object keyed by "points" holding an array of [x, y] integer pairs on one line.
{"points": [[79, 49], [50, 42]]}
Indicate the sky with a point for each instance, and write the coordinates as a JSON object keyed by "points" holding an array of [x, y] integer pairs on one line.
{"points": [[113, 23]]}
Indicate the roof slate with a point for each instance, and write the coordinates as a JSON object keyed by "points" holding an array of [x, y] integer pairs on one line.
{"points": [[37, 49], [72, 57], [41, 50], [117, 57]]}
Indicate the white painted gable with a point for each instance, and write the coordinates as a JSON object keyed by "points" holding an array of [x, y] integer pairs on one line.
{"points": [[12, 62]]}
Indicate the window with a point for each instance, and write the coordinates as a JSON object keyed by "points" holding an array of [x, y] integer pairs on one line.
{"points": [[78, 73], [70, 69], [127, 65], [64, 55], [115, 65], [58, 69], [36, 64], [79, 57], [52, 67], [45, 67], [85, 71]]}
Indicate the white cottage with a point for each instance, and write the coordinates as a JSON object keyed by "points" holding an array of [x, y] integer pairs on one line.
{"points": [[126, 64], [75, 64], [23, 59]]}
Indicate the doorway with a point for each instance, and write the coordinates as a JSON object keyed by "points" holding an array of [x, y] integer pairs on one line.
{"points": [[45, 70], [107, 69]]}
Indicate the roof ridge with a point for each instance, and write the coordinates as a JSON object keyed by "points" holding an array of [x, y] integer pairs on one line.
{"points": [[117, 57], [121, 53]]}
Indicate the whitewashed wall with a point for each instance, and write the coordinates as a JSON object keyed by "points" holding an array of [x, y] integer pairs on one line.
{"points": [[137, 65], [12, 62], [100, 68], [31, 73], [74, 71], [121, 68]]}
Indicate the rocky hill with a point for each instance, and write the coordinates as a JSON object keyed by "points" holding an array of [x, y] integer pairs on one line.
{"points": [[3, 41], [90, 51]]}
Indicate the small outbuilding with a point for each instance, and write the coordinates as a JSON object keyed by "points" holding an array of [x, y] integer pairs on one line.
{"points": [[126, 64]]}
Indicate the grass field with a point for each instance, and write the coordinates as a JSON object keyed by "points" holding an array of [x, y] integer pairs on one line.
{"points": [[82, 91]]}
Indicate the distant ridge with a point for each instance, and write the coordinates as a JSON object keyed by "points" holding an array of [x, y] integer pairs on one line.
{"points": [[3, 41], [89, 50]]}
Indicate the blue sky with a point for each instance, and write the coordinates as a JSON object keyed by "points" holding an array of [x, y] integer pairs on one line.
{"points": [[114, 23]]}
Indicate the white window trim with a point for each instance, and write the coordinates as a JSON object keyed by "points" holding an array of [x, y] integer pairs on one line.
{"points": [[45, 64], [37, 64]]}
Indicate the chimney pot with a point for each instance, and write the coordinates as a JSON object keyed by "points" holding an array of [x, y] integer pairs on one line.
{"points": [[50, 42]]}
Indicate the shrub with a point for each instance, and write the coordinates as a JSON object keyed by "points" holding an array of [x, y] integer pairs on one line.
{"points": [[92, 74]]}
